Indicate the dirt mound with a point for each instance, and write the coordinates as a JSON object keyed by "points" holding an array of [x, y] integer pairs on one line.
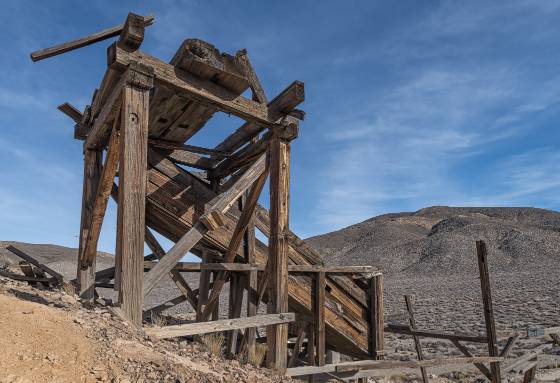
{"points": [[50, 336], [442, 238]]}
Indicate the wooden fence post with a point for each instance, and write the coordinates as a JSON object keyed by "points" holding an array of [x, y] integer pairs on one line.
{"points": [[417, 344], [93, 159], [376, 336], [132, 190], [488, 310]]}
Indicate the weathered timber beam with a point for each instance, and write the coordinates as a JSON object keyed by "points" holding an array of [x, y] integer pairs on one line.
{"points": [[417, 344], [219, 325], [102, 197], [509, 345], [159, 143], [241, 158], [71, 111], [386, 365], [488, 310], [190, 267], [34, 262], [19, 277], [220, 203], [189, 159], [83, 41], [467, 352], [254, 82], [288, 99], [157, 310], [196, 88], [333, 269], [175, 275], [400, 329]]}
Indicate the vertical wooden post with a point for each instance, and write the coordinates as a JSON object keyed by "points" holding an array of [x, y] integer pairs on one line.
{"points": [[310, 347], [488, 310], [132, 189], [319, 283], [93, 160], [203, 286], [376, 336], [279, 165], [417, 344], [252, 300]]}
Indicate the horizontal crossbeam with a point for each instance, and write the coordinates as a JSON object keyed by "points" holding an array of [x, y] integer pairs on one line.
{"points": [[220, 325]]}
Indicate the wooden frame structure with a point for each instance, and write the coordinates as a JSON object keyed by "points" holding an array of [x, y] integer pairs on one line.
{"points": [[135, 133]]}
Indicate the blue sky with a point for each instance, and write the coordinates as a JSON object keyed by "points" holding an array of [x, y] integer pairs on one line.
{"points": [[409, 104]]}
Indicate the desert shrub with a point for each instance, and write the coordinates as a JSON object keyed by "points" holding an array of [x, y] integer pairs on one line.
{"points": [[213, 342], [255, 355]]}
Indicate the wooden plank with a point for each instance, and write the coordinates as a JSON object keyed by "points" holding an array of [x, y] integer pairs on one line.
{"points": [[197, 88], [389, 364], [85, 277], [83, 41], [333, 269], [377, 324], [237, 286], [288, 99], [102, 197], [279, 167], [132, 193], [71, 111], [399, 329], [219, 325], [319, 310], [417, 345], [159, 143], [241, 158], [488, 310], [190, 159], [34, 262], [386, 365], [25, 278], [204, 283], [220, 203], [481, 367]]}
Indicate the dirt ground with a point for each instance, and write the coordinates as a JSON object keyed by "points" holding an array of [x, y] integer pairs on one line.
{"points": [[50, 336]]}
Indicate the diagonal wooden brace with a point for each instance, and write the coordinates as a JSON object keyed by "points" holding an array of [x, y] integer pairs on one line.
{"points": [[221, 203], [235, 241]]}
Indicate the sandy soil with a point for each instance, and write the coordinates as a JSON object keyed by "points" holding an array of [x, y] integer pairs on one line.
{"points": [[50, 336]]}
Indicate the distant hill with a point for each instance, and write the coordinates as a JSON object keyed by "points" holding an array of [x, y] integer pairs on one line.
{"points": [[60, 258], [441, 238]]}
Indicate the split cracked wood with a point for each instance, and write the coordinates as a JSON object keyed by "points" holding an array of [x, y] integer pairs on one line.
{"points": [[34, 262]]}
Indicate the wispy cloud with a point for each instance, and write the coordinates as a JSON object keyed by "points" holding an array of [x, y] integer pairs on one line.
{"points": [[402, 145]]}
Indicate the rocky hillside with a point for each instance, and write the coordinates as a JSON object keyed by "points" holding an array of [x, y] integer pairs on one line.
{"points": [[442, 238]]}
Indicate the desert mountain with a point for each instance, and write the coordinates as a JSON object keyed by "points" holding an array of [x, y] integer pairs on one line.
{"points": [[443, 238]]}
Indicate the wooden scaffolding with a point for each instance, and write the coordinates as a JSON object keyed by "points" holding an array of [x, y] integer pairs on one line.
{"points": [[136, 132]]}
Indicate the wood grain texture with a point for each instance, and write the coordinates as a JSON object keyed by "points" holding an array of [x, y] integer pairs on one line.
{"points": [[102, 197], [279, 167], [319, 311], [85, 278], [83, 41], [488, 309], [219, 325], [132, 195]]}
